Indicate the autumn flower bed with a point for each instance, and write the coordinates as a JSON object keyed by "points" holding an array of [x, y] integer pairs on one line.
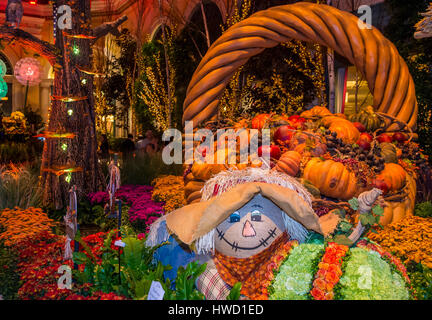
{"points": [[40, 258], [170, 191], [409, 239], [19, 224], [143, 210], [147, 203]]}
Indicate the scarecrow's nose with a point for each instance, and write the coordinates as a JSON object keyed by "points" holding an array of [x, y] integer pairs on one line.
{"points": [[248, 230]]}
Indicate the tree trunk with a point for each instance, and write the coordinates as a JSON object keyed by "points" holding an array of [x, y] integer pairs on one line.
{"points": [[81, 151]]}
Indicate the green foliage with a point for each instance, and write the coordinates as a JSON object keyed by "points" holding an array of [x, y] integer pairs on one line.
{"points": [[423, 209], [143, 169], [421, 280], [235, 292], [18, 152], [185, 282], [19, 187], [9, 277], [34, 119], [418, 55], [138, 270]]}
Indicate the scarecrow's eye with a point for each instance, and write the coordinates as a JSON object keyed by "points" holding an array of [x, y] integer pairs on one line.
{"points": [[256, 215], [235, 217]]}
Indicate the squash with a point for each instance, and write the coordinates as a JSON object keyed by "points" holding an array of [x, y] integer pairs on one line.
{"points": [[394, 176], [314, 191], [395, 211], [368, 118], [260, 120], [316, 111], [332, 178], [289, 163], [345, 130], [389, 152]]}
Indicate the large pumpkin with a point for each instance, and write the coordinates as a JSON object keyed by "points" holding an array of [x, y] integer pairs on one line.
{"points": [[345, 130], [332, 178], [395, 211], [289, 163], [368, 118], [394, 176]]}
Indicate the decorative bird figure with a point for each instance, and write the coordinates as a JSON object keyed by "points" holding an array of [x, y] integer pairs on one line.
{"points": [[14, 13]]}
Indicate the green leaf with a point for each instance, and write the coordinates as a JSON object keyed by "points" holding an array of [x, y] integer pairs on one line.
{"points": [[354, 203], [235, 292], [343, 240], [378, 210], [345, 226], [80, 258]]}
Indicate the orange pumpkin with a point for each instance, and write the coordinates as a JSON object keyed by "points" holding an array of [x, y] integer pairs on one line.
{"points": [[394, 176], [345, 130], [331, 178], [395, 211], [316, 111], [259, 121], [289, 163]]}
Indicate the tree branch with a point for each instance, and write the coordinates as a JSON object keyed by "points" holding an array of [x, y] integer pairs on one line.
{"points": [[45, 49], [109, 27]]}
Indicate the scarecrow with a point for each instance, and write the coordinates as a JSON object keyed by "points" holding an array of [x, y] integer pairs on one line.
{"points": [[244, 220]]}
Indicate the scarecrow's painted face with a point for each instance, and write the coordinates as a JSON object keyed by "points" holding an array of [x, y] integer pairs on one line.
{"points": [[251, 229]]}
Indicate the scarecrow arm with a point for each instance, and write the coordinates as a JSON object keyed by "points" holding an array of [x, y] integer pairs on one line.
{"points": [[45, 49]]}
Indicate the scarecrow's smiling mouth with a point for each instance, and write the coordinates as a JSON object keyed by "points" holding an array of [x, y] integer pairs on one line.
{"points": [[262, 242]]}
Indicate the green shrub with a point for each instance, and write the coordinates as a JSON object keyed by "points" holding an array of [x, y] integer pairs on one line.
{"points": [[18, 152], [421, 280], [143, 169], [423, 209], [9, 277]]}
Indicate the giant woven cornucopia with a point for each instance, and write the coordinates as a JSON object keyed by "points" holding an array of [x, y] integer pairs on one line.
{"points": [[328, 155]]}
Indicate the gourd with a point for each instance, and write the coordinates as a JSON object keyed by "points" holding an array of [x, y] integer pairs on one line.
{"points": [[389, 152], [332, 178], [289, 163], [368, 118], [394, 176], [395, 211], [316, 111]]}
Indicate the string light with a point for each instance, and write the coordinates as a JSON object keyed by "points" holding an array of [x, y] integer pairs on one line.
{"points": [[84, 81], [64, 146], [70, 112], [68, 177], [75, 50]]}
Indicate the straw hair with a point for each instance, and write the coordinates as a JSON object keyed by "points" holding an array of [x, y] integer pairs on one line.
{"points": [[226, 180]]}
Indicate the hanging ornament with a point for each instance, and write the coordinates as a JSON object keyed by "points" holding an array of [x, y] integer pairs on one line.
{"points": [[3, 89], [27, 71], [78, 36], [3, 69], [68, 99], [3, 84]]}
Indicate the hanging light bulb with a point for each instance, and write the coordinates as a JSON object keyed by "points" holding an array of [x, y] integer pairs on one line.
{"points": [[70, 112], [75, 50], [68, 177], [64, 147]]}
